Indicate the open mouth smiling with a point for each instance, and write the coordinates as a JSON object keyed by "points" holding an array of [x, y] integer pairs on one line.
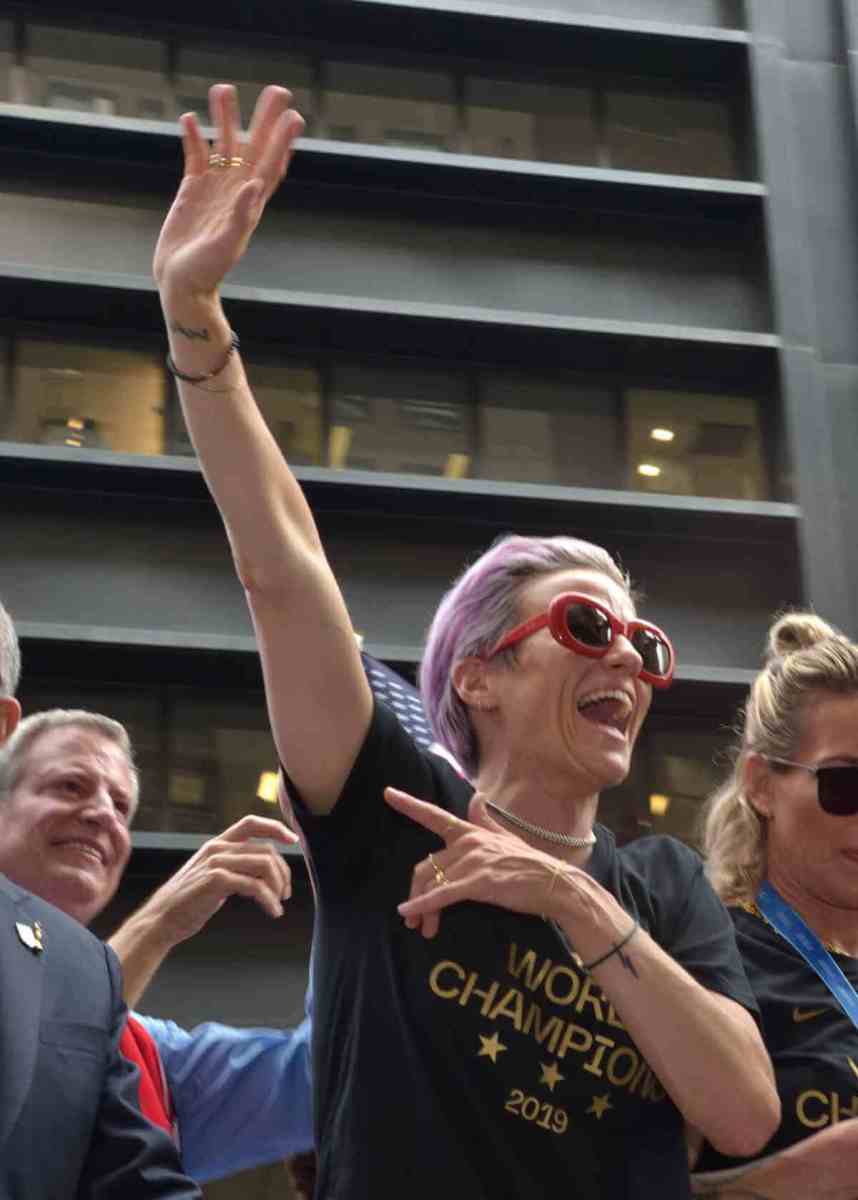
{"points": [[612, 707]]}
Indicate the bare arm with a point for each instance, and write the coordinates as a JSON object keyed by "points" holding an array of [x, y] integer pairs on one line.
{"points": [[824, 1166], [229, 865], [318, 696], [704, 1048]]}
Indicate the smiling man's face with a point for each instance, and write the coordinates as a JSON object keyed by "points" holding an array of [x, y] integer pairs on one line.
{"points": [[65, 826]]}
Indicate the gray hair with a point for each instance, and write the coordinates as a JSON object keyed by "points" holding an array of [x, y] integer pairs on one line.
{"points": [[13, 755], [10, 655]]}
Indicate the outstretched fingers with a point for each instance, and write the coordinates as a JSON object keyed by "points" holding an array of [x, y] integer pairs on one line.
{"points": [[195, 146], [226, 118], [278, 150]]}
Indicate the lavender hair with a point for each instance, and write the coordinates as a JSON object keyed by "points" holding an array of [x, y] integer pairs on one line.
{"points": [[482, 604]]}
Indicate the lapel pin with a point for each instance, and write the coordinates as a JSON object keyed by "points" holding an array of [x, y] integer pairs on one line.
{"points": [[31, 936]]}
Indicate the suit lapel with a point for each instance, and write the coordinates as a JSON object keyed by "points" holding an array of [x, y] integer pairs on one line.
{"points": [[21, 977]]}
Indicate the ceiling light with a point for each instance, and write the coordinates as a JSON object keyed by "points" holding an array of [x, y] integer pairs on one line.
{"points": [[650, 470], [267, 787], [75, 423], [662, 435], [339, 444], [457, 466], [659, 804]]}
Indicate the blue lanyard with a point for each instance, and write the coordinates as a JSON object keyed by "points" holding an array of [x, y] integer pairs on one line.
{"points": [[801, 937]]}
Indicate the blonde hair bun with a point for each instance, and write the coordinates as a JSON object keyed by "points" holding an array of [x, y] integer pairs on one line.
{"points": [[797, 631]]}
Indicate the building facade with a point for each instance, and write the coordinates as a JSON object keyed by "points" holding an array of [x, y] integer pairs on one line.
{"points": [[536, 268]]}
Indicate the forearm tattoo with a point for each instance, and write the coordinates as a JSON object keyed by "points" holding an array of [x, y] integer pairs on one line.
{"points": [[627, 963], [200, 335]]}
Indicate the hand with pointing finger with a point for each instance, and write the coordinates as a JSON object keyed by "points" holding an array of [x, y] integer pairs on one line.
{"points": [[480, 861]]}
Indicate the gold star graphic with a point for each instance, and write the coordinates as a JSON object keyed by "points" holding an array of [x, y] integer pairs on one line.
{"points": [[852, 1065], [491, 1047], [550, 1075], [600, 1106]]}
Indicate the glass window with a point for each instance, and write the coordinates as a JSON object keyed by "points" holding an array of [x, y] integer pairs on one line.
{"points": [[202, 64], [289, 397], [680, 135], [389, 106], [674, 771], [695, 444], [548, 430], [7, 62], [390, 419], [87, 396], [509, 119], [221, 762], [89, 71]]}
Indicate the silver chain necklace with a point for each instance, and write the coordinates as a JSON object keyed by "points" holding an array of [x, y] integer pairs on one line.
{"points": [[547, 835]]}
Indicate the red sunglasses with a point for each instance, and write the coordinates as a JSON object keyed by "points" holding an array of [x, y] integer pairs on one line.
{"points": [[587, 627]]}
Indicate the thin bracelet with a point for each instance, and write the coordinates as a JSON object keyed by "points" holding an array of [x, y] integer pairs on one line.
{"points": [[614, 949], [174, 370]]}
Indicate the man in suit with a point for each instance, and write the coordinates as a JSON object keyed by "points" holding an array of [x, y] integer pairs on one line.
{"points": [[70, 1124]]}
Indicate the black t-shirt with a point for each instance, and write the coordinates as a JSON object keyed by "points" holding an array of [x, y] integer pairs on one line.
{"points": [[485, 1062], [812, 1043]]}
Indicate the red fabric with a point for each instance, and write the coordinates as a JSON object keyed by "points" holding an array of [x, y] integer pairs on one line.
{"points": [[137, 1045]]}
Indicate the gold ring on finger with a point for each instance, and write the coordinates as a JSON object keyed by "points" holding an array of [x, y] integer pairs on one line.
{"points": [[440, 877], [218, 161]]}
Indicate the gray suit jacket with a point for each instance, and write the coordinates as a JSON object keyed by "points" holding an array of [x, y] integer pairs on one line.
{"points": [[70, 1125]]}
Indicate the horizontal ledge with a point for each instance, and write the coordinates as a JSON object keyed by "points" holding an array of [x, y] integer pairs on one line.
{"points": [[389, 652], [369, 482], [189, 842], [35, 119], [408, 309], [546, 15]]}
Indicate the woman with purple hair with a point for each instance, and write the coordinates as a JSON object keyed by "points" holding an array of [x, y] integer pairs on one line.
{"points": [[571, 1007]]}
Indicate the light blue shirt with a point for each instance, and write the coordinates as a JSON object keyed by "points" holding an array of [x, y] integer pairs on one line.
{"points": [[242, 1096]]}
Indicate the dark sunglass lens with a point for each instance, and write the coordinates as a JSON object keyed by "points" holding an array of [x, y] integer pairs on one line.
{"points": [[838, 790], [653, 651], [588, 625]]}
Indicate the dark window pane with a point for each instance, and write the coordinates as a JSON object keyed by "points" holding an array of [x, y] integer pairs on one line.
{"points": [[674, 771], [220, 758], [548, 430], [511, 119], [695, 444], [90, 71], [386, 419], [680, 135], [86, 396], [202, 64], [7, 62], [389, 106]]}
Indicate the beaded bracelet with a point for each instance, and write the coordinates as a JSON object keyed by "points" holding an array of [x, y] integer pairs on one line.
{"points": [[174, 370], [614, 949]]}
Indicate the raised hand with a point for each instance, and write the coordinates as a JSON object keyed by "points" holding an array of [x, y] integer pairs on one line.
{"points": [[480, 861], [224, 191]]}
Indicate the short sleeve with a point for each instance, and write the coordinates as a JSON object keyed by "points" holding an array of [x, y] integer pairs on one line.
{"points": [[218, 1075], [703, 941], [354, 841]]}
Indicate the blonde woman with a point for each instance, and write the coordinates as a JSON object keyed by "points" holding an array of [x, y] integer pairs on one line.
{"points": [[781, 838]]}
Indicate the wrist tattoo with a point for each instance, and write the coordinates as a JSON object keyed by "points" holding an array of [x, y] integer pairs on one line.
{"points": [[627, 963], [201, 335]]}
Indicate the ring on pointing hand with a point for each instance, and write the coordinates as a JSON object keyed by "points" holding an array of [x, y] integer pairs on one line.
{"points": [[440, 877]]}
